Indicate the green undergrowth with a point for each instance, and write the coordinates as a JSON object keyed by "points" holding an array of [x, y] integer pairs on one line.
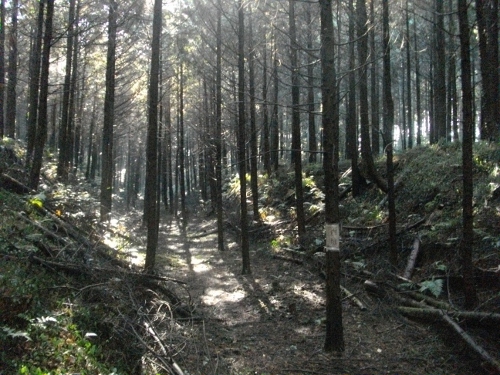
{"points": [[43, 329]]}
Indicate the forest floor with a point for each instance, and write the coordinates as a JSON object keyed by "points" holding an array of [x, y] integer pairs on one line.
{"points": [[74, 299], [273, 321]]}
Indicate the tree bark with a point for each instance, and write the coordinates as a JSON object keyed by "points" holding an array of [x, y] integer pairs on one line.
{"points": [[388, 132], [2, 68], [10, 113], [245, 246], [466, 243], [254, 184], [107, 164], [311, 102], [41, 131], [65, 128], [151, 189], [487, 24], [34, 87], [351, 120], [218, 132], [362, 44], [334, 340], [296, 138]]}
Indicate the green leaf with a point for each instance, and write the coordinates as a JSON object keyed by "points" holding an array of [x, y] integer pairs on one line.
{"points": [[433, 286]]}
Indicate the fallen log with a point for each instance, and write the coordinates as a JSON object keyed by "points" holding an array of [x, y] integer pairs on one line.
{"points": [[14, 186], [429, 300], [288, 259], [436, 313], [79, 268], [472, 316]]}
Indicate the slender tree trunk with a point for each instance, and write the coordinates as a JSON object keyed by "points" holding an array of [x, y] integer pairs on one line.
{"points": [[10, 115], [107, 164], [296, 137], [440, 74], [311, 107], [334, 340], [351, 120], [375, 111], [409, 108], [72, 131], [2, 68], [452, 74], [266, 156], [64, 129], [181, 145], [466, 244], [388, 132], [245, 245], [91, 143], [41, 134], [253, 128], [417, 88], [362, 44], [151, 190], [34, 88], [218, 131], [487, 24], [275, 118]]}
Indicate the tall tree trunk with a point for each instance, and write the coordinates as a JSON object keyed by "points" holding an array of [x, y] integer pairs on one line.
{"points": [[245, 245], [375, 111], [452, 76], [72, 131], [334, 340], [409, 108], [107, 164], [417, 87], [151, 189], [311, 107], [41, 134], [34, 87], [487, 24], [181, 145], [10, 115], [388, 131], [167, 154], [466, 243], [439, 80], [266, 147], [275, 142], [91, 144], [296, 138], [2, 68], [254, 184], [64, 130], [218, 131], [351, 120], [362, 44]]}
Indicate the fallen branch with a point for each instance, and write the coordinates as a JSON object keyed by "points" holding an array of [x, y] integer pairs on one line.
{"points": [[352, 297], [14, 186], [49, 234], [436, 313], [79, 268], [430, 313], [288, 259]]}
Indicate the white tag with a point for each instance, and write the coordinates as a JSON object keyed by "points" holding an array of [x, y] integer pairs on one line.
{"points": [[332, 237]]}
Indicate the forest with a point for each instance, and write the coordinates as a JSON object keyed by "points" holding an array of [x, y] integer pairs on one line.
{"points": [[249, 187]]}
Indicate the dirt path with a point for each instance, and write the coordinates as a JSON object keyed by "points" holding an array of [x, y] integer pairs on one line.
{"points": [[271, 322]]}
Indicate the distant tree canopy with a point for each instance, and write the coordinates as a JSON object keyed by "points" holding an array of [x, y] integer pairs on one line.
{"points": [[97, 100]]}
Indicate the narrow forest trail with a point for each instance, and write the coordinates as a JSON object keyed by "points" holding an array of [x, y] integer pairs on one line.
{"points": [[271, 322]]}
